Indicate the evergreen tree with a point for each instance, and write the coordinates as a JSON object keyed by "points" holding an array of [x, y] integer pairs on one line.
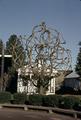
{"points": [[15, 47], [1, 46], [78, 64]]}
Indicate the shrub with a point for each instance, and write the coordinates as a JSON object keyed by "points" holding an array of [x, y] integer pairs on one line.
{"points": [[77, 105], [5, 97], [51, 100], [19, 98], [69, 102], [35, 100]]}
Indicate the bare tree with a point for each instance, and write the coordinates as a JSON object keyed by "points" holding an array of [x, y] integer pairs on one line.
{"points": [[46, 56]]}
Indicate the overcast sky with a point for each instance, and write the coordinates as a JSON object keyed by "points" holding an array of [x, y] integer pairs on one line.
{"points": [[19, 17]]}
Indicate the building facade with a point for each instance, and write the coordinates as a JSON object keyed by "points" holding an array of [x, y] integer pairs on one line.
{"points": [[29, 88], [72, 81]]}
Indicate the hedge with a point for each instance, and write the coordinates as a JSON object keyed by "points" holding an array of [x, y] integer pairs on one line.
{"points": [[69, 102], [5, 97], [35, 100], [19, 98], [65, 102], [51, 100]]}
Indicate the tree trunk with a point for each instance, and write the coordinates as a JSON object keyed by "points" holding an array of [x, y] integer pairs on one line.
{"points": [[41, 90]]}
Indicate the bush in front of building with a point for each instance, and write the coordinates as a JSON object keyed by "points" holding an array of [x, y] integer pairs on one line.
{"points": [[19, 98], [65, 102], [5, 97], [51, 100], [35, 99], [68, 102], [77, 105]]}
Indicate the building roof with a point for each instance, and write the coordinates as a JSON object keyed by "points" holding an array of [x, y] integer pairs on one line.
{"points": [[73, 75]]}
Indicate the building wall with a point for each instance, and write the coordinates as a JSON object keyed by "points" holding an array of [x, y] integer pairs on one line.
{"points": [[30, 88], [74, 83]]}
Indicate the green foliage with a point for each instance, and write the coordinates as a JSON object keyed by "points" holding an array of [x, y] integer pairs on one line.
{"points": [[11, 71], [12, 80], [5, 97], [68, 102], [1, 46], [77, 106], [15, 47], [19, 98], [51, 100], [65, 102], [35, 100], [78, 65]]}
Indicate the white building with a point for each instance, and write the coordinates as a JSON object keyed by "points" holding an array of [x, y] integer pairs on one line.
{"points": [[30, 88]]}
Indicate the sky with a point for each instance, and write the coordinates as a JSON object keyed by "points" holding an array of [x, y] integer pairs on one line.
{"points": [[20, 16]]}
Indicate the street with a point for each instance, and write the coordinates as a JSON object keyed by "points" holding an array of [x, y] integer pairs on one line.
{"points": [[16, 114]]}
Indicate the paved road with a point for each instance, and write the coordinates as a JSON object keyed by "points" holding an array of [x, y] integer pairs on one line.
{"points": [[14, 114]]}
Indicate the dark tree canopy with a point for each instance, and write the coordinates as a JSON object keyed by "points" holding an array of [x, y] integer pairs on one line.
{"points": [[1, 46], [78, 64], [15, 47]]}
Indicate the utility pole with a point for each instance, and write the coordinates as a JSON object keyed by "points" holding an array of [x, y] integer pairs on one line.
{"points": [[2, 68]]}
